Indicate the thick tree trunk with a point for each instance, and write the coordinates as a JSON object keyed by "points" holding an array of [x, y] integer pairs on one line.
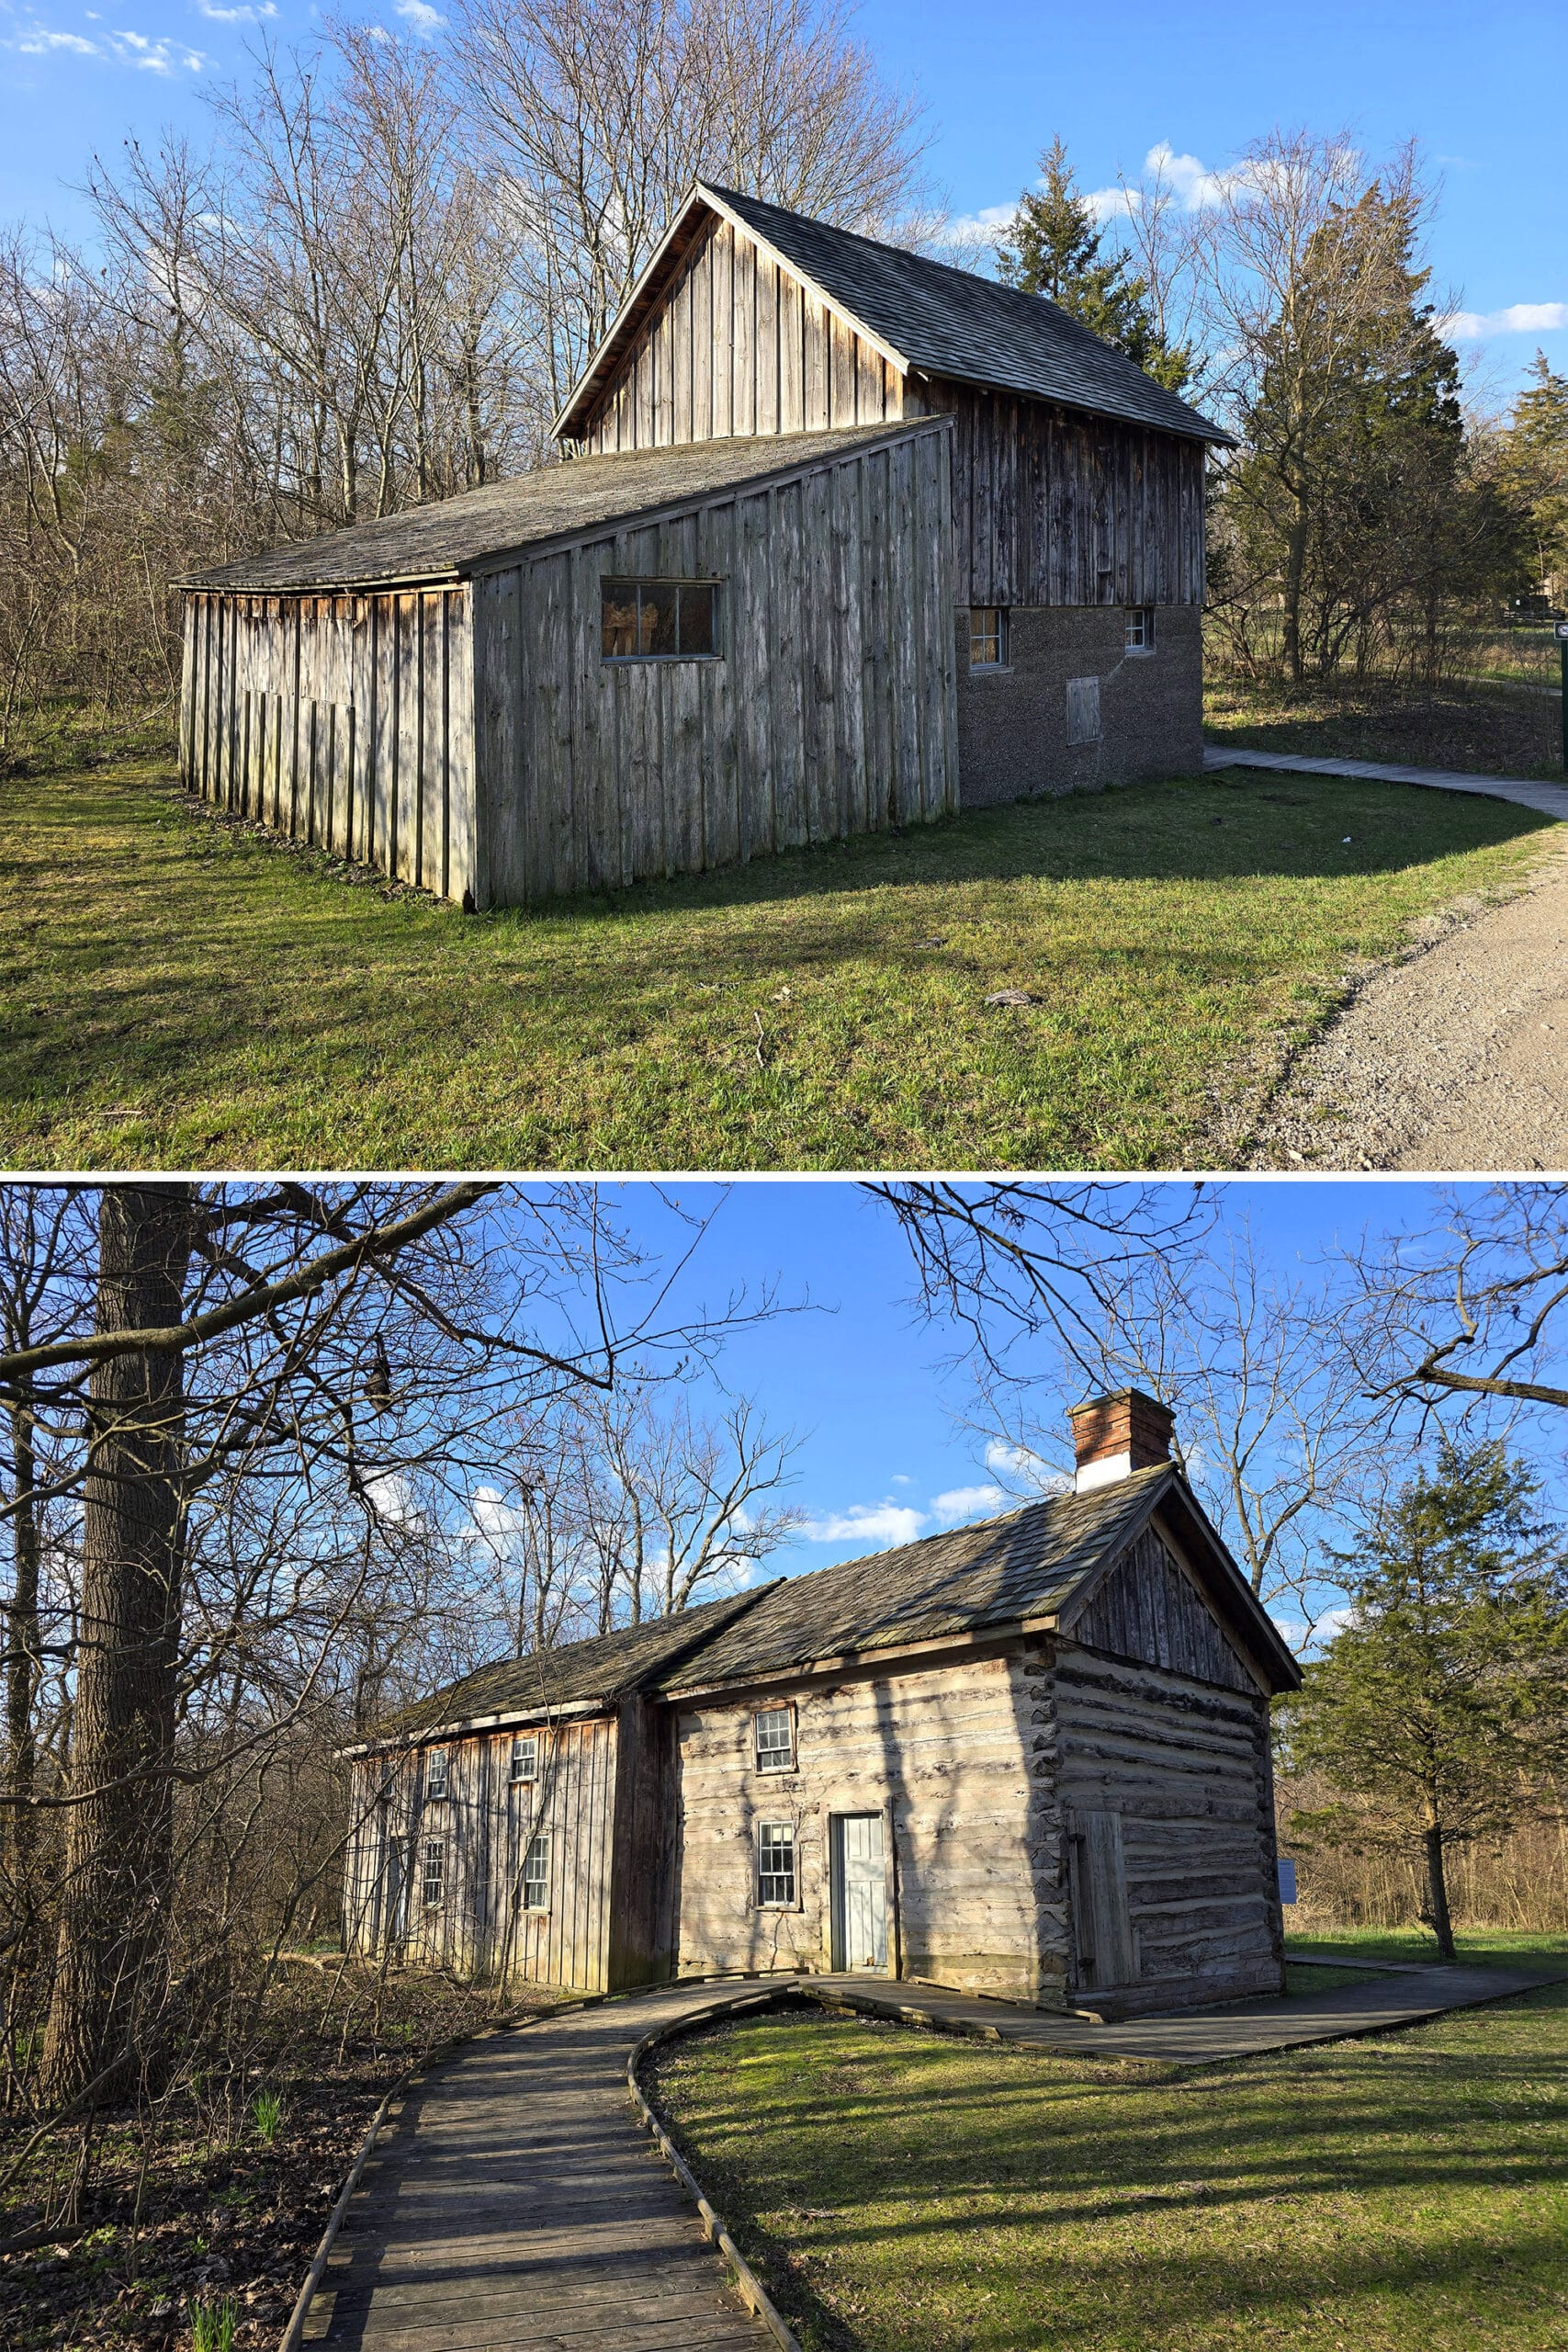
{"points": [[112, 1967], [22, 1642], [1437, 1894]]}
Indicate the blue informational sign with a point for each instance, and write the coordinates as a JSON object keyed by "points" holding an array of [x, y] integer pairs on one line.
{"points": [[1287, 1881]]}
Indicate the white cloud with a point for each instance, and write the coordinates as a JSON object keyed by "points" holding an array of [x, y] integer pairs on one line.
{"points": [[1518, 317], [901, 1478], [419, 15], [967, 1502], [868, 1523], [137, 50], [1194, 186], [1300, 1636], [1024, 1468], [240, 16]]}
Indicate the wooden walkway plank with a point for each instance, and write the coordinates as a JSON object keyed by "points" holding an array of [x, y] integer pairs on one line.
{"points": [[513, 2204]]}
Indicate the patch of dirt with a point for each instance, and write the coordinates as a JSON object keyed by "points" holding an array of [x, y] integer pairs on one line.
{"points": [[1488, 732], [205, 2211]]}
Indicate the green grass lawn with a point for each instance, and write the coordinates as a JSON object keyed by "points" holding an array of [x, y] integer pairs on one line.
{"points": [[900, 2192], [181, 993]]}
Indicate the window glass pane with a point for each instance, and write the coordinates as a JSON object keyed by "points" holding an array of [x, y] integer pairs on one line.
{"points": [[696, 617], [435, 1773], [525, 1758], [620, 619], [775, 1862], [775, 1745], [537, 1875], [985, 637], [656, 616], [432, 1871]]}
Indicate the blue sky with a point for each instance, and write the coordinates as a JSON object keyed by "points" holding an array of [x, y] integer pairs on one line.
{"points": [[1479, 85], [871, 1391]]}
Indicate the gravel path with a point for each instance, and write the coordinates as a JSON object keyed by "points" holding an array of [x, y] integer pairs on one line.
{"points": [[1454, 1057]]}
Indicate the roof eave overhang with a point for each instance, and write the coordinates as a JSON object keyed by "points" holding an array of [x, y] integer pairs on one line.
{"points": [[1198, 430], [397, 1743], [675, 241], [870, 1660], [383, 584]]}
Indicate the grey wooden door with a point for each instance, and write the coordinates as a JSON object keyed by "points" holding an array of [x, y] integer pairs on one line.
{"points": [[859, 1892], [1107, 1954]]}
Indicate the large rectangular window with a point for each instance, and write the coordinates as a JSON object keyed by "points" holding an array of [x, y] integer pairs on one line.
{"points": [[535, 1884], [658, 620], [774, 1732], [433, 1873], [435, 1773], [775, 1865], [988, 638], [525, 1755]]}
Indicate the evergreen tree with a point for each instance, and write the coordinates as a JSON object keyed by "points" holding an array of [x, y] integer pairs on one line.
{"points": [[1535, 465], [1058, 249], [1441, 1707]]}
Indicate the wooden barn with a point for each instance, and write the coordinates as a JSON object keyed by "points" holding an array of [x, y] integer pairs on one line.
{"points": [[845, 538], [1029, 1757]]}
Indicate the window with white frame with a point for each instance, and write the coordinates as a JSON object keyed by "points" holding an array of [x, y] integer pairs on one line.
{"points": [[525, 1755], [773, 1729], [1140, 629], [775, 1865], [435, 1773], [987, 636], [534, 1890], [433, 1873]]}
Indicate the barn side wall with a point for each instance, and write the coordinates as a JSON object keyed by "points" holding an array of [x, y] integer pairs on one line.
{"points": [[1163, 1770], [944, 1753], [829, 711], [346, 721], [736, 345], [484, 1826]]}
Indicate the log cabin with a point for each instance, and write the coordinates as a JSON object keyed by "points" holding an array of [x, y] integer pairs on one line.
{"points": [[846, 538], [1029, 1757]]}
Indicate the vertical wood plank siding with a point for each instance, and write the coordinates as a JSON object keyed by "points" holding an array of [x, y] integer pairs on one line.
{"points": [[737, 346], [1054, 508], [1050, 506], [830, 710], [485, 1823], [347, 721]]}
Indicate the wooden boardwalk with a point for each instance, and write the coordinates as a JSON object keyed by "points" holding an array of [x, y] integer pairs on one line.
{"points": [[1199, 2037], [515, 2203]]}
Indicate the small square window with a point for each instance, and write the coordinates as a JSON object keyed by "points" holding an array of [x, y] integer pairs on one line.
{"points": [[658, 620], [775, 1865], [535, 1889], [987, 636], [525, 1755], [774, 1732], [433, 1873], [1140, 629], [435, 1773]]}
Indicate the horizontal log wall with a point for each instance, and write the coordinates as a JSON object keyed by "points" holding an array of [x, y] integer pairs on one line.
{"points": [[944, 1753], [485, 1824], [1051, 507], [831, 710], [1185, 1764], [346, 721], [737, 346]]}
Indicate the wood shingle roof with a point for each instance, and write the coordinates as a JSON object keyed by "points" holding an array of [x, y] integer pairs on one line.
{"points": [[450, 538], [1036, 1563], [927, 317]]}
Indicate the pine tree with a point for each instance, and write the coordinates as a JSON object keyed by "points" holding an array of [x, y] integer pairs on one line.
{"points": [[1058, 249], [1535, 465], [1442, 1705]]}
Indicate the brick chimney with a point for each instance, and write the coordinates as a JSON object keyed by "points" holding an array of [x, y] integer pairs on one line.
{"points": [[1114, 1435]]}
